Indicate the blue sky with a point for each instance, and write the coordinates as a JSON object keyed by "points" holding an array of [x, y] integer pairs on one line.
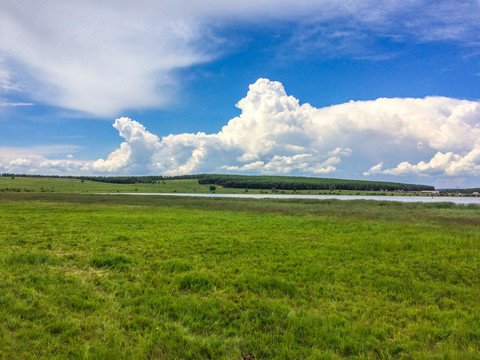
{"points": [[377, 90]]}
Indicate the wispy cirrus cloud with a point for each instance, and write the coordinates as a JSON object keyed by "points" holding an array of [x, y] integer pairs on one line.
{"points": [[359, 29], [5, 82], [67, 54], [6, 103], [7, 85]]}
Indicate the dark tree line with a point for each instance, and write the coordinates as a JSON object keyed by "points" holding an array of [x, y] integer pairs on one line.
{"points": [[150, 179], [304, 183], [461, 191]]}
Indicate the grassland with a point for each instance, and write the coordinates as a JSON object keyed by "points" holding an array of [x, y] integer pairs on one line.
{"points": [[253, 182], [65, 185], [85, 276]]}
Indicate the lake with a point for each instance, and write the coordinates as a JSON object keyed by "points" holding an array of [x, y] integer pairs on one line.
{"points": [[424, 199]]}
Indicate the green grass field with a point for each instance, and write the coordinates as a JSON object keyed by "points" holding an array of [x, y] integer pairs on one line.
{"points": [[85, 276], [65, 185]]}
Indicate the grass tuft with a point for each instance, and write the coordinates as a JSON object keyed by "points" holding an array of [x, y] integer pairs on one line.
{"points": [[176, 266], [110, 261], [29, 258], [196, 282]]}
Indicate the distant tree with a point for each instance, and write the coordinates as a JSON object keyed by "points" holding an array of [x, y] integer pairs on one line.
{"points": [[213, 188]]}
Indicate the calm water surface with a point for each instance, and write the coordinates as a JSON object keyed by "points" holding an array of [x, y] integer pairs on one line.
{"points": [[424, 199]]}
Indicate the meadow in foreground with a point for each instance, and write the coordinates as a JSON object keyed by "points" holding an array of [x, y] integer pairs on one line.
{"points": [[98, 277]]}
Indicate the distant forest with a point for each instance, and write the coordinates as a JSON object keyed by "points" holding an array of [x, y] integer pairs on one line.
{"points": [[255, 182], [461, 191], [304, 183]]}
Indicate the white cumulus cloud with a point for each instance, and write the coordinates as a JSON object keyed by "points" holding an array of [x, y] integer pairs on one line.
{"points": [[275, 134], [34, 160], [441, 164], [135, 153]]}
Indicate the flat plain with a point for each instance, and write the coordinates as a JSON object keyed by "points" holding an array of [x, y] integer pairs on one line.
{"points": [[86, 276], [67, 185]]}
